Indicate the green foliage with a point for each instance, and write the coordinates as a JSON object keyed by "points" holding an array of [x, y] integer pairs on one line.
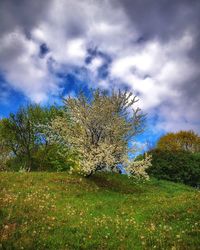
{"points": [[178, 166], [19, 135], [52, 158], [4, 156], [107, 211], [23, 138]]}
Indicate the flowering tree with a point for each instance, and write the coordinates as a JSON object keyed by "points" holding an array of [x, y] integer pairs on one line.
{"points": [[99, 129], [138, 168]]}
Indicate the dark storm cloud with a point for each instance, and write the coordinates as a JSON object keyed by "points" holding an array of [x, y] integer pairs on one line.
{"points": [[163, 19], [23, 14]]}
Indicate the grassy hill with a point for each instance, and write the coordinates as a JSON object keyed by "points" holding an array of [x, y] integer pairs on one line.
{"points": [[60, 211]]}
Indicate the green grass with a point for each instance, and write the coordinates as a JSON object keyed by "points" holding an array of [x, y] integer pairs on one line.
{"points": [[61, 211]]}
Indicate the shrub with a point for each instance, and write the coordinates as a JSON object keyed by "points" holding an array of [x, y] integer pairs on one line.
{"points": [[51, 158], [178, 166], [4, 156], [46, 158]]}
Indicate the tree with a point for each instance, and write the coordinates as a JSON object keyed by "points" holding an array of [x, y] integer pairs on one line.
{"points": [[21, 135], [178, 166], [182, 140], [100, 128]]}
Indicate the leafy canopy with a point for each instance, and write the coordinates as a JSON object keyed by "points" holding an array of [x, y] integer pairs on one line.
{"points": [[20, 135], [182, 140]]}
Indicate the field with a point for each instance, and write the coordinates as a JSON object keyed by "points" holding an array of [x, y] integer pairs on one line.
{"points": [[106, 211]]}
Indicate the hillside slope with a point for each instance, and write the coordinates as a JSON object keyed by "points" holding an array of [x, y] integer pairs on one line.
{"points": [[60, 211]]}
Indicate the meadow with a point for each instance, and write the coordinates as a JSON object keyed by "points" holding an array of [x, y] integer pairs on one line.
{"points": [[41, 210]]}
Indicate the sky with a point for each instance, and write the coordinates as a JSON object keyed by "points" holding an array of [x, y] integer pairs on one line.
{"points": [[53, 48]]}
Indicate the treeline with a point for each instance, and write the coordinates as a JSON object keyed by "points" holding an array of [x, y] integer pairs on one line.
{"points": [[93, 133], [176, 157]]}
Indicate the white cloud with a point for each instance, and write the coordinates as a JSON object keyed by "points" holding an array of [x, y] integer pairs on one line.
{"points": [[76, 49], [156, 71], [94, 66], [24, 70]]}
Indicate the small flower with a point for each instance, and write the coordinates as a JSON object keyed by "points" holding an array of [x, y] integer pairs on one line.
{"points": [[152, 226]]}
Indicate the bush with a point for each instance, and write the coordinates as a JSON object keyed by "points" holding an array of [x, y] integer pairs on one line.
{"points": [[16, 163], [46, 158], [178, 166]]}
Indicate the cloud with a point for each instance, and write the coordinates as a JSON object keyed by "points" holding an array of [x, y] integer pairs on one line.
{"points": [[23, 68], [24, 14], [157, 71], [162, 20], [151, 47], [96, 63]]}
